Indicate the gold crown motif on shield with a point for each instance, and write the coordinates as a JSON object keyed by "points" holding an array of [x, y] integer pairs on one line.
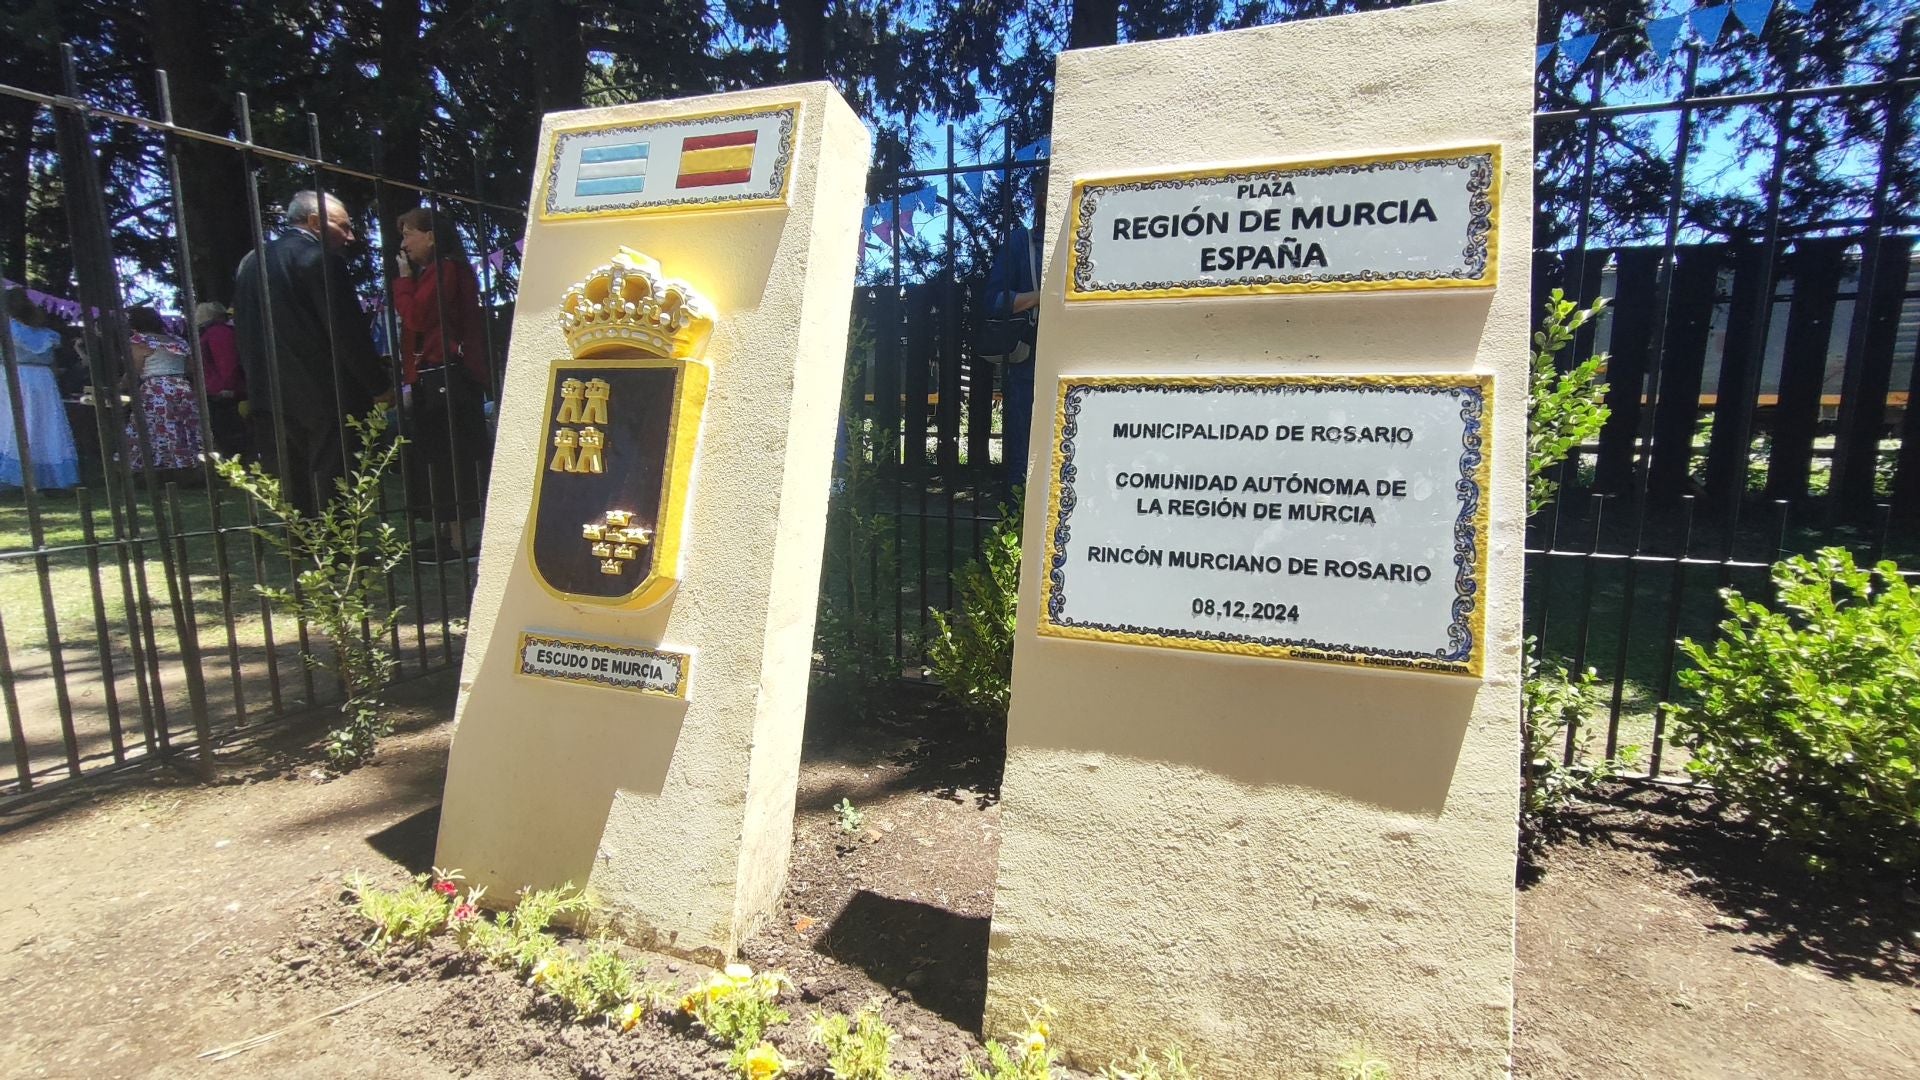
{"points": [[629, 303]]}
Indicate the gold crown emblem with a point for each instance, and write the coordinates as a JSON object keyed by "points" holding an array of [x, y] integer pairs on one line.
{"points": [[629, 303]]}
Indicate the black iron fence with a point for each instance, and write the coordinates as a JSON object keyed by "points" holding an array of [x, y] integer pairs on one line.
{"points": [[1763, 359], [1763, 355], [129, 623]]}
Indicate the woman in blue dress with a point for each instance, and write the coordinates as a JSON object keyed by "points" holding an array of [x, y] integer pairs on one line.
{"points": [[56, 464]]}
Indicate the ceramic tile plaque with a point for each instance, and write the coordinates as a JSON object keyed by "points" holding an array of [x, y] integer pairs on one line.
{"points": [[1417, 220], [708, 161], [1320, 517], [615, 666]]}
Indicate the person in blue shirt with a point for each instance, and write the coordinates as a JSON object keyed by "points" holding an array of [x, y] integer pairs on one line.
{"points": [[1013, 288]]}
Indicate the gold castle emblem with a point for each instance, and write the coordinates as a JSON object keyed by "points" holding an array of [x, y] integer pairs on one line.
{"points": [[616, 540], [621, 430]]}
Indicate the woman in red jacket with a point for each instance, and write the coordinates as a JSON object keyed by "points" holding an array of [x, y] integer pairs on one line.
{"points": [[444, 361]]}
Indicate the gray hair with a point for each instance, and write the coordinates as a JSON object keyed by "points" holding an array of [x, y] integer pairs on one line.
{"points": [[306, 204], [209, 311]]}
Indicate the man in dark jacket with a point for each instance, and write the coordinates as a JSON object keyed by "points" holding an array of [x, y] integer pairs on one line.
{"points": [[307, 349]]}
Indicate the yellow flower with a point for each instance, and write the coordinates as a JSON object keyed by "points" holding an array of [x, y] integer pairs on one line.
{"points": [[540, 972], [763, 1062], [1041, 1027], [688, 1002], [629, 1015], [1036, 1043]]}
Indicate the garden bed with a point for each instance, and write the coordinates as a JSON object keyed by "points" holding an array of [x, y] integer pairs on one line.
{"points": [[148, 921]]}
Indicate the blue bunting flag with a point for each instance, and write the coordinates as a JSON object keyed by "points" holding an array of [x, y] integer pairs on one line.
{"points": [[1664, 34], [1576, 49], [1753, 14], [1708, 22]]}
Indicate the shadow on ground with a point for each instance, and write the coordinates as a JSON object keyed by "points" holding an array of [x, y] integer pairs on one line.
{"points": [[927, 744], [280, 747], [1846, 923], [938, 955]]}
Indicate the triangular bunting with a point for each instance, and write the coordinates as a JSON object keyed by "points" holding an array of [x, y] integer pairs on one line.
{"points": [[1801, 6], [973, 182], [1576, 49], [1540, 54], [1663, 34], [1708, 22], [1753, 14]]}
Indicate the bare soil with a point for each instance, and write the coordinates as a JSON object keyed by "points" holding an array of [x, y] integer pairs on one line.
{"points": [[146, 920]]}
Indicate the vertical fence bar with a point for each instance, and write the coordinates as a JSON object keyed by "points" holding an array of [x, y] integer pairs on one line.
{"points": [[1676, 599], [189, 298], [266, 607], [1669, 283], [37, 536], [189, 634], [950, 370], [1590, 149], [102, 628], [88, 229], [892, 477], [276, 413], [330, 287], [396, 367], [1598, 503], [16, 730], [1884, 262], [73, 148], [235, 674]]}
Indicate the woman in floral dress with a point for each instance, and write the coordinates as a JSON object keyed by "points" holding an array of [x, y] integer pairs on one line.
{"points": [[165, 396]]}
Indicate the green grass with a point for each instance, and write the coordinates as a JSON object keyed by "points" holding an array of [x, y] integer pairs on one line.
{"points": [[72, 585]]}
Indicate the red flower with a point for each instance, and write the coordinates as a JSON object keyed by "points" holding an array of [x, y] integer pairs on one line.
{"points": [[463, 913], [445, 888]]}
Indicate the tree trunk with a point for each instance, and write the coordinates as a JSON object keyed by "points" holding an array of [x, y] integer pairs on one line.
{"points": [[400, 95], [805, 22], [559, 53], [180, 34], [1094, 23], [16, 137]]}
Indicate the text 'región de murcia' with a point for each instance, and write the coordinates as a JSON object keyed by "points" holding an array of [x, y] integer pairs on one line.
{"points": [[1420, 220]]}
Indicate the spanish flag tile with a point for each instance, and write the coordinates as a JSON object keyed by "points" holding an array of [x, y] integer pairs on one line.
{"points": [[716, 160]]}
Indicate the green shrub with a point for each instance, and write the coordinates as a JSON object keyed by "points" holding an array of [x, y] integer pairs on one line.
{"points": [[1554, 702], [342, 556], [860, 1048], [601, 985], [1807, 716], [851, 820], [860, 570], [1029, 1058], [518, 939], [972, 652], [735, 1007], [414, 912], [1170, 1065], [1564, 409]]}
